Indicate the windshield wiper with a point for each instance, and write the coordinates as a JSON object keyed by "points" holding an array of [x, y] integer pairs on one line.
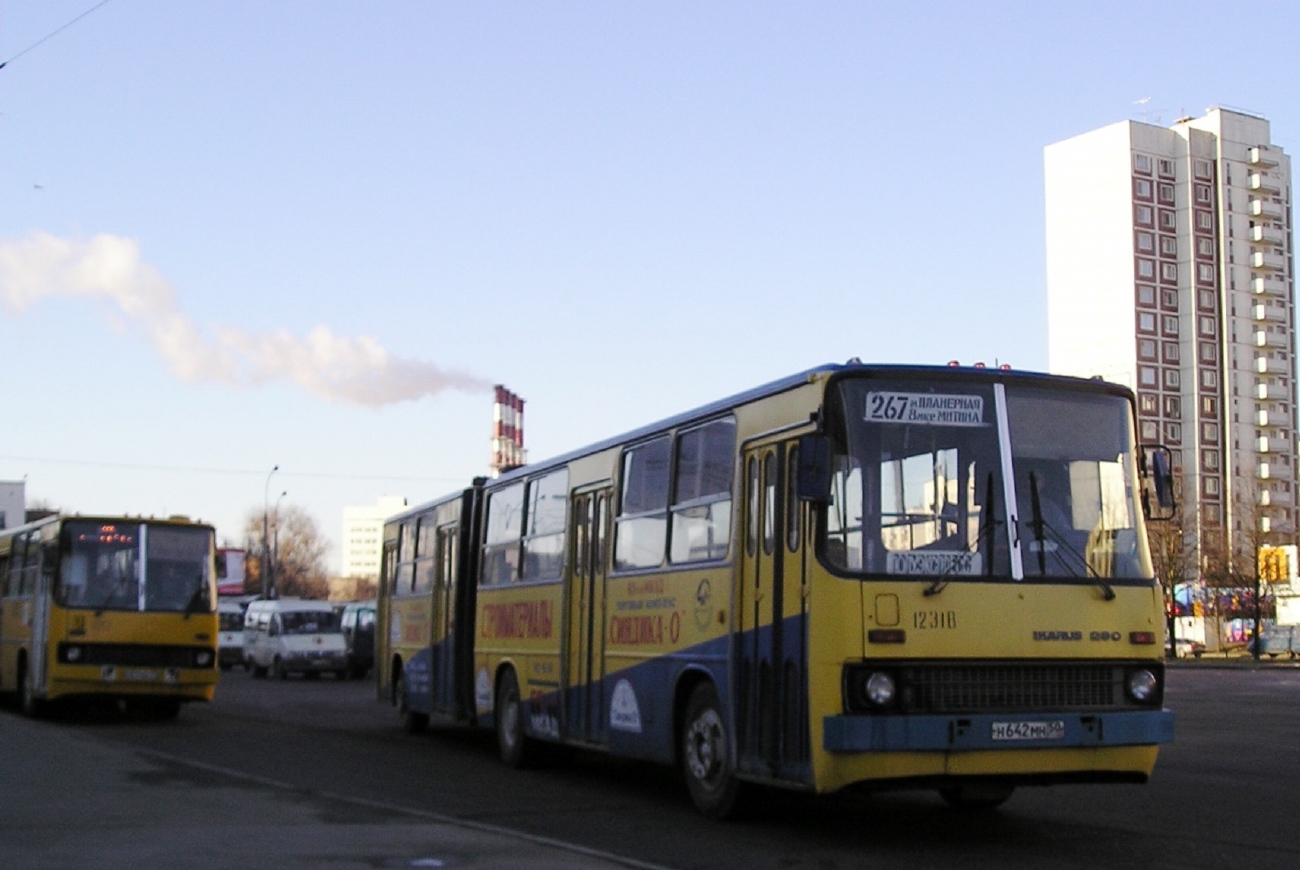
{"points": [[1040, 527], [112, 593]]}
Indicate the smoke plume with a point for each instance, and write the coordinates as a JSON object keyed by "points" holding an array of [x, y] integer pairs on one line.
{"points": [[109, 268]]}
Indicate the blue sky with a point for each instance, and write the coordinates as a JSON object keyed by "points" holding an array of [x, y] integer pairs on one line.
{"points": [[312, 234]]}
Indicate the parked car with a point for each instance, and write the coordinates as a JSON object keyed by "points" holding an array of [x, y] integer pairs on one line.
{"points": [[358, 623], [230, 634], [1186, 648], [291, 635]]}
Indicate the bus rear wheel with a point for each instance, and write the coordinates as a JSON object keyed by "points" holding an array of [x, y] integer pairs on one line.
{"points": [[32, 707], [517, 749], [707, 759], [412, 721]]}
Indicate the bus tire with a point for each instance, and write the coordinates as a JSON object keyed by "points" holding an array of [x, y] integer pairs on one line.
{"points": [[516, 748], [259, 672], [30, 705], [277, 668], [413, 722], [707, 755], [977, 796]]}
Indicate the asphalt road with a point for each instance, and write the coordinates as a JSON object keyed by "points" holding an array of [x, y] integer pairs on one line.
{"points": [[1224, 794]]}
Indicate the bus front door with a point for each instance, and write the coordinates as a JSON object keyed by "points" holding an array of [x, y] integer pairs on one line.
{"points": [[583, 691], [771, 663]]}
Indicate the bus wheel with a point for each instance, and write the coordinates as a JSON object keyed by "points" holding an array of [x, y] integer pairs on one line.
{"points": [[32, 707], [708, 764], [977, 796], [412, 722], [277, 668], [515, 746]]}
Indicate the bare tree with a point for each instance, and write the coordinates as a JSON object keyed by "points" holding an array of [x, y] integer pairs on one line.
{"points": [[1174, 554], [297, 553]]}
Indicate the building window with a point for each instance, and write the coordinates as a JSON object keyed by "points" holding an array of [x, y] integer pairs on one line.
{"points": [[1146, 295], [1170, 324], [1146, 322], [1204, 220], [1167, 220], [1210, 460], [1172, 380], [1143, 216], [1169, 272], [1173, 407], [1166, 167], [1170, 299], [1171, 352], [1146, 268], [1206, 326], [1210, 485], [1206, 298], [1147, 376], [1142, 163], [1174, 432], [1205, 273], [1147, 403], [1203, 194], [1209, 379], [1168, 246], [1205, 247], [1209, 354], [1201, 168], [1147, 348], [1166, 194], [1209, 406], [1150, 431], [1146, 242], [1210, 433], [1142, 188]]}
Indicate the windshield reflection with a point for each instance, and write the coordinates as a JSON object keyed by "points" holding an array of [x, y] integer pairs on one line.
{"points": [[136, 566]]}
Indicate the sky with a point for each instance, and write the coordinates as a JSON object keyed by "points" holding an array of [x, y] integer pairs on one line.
{"points": [[310, 235]]}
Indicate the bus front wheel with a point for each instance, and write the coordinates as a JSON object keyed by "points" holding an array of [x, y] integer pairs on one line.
{"points": [[708, 760]]}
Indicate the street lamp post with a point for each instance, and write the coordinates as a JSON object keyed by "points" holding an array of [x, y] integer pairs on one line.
{"points": [[267, 586], [275, 546]]}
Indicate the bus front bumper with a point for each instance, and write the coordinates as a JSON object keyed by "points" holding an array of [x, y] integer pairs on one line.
{"points": [[903, 733]]}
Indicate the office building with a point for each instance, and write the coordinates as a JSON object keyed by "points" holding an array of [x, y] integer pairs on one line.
{"points": [[363, 536], [1170, 269]]}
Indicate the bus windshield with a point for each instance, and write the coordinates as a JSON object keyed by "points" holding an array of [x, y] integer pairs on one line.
{"points": [[140, 567], [921, 483]]}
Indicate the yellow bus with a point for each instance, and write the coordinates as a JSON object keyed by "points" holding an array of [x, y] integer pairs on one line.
{"points": [[113, 608], [876, 576]]}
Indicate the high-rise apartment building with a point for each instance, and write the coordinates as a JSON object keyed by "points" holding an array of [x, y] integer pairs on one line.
{"points": [[1170, 269], [363, 536]]}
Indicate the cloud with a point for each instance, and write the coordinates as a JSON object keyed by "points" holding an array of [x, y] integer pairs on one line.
{"points": [[110, 268]]}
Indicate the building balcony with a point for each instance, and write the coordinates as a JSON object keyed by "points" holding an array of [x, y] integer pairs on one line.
{"points": [[1261, 183], [1271, 262], [1262, 157], [1268, 285], [1268, 366], [1268, 313], [1262, 235], [1270, 419], [1274, 499], [1262, 208], [1271, 339], [1272, 393]]}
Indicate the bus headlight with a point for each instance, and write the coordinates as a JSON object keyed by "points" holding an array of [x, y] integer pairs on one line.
{"points": [[878, 688], [1142, 685], [203, 658], [72, 654]]}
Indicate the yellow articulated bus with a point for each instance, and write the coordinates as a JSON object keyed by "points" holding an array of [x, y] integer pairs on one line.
{"points": [[890, 577], [113, 608]]}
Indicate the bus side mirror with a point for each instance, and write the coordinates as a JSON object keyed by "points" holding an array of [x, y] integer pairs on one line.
{"points": [[813, 475], [1160, 470]]}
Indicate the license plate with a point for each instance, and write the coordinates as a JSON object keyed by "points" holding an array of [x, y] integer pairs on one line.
{"points": [[138, 675], [1050, 730]]}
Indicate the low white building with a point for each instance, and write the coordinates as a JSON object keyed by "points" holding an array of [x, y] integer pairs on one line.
{"points": [[13, 503]]}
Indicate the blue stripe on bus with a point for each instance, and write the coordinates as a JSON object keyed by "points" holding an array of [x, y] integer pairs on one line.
{"points": [[928, 733]]}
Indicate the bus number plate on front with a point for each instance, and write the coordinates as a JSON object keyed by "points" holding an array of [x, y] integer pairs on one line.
{"points": [[1050, 730], [138, 675]]}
